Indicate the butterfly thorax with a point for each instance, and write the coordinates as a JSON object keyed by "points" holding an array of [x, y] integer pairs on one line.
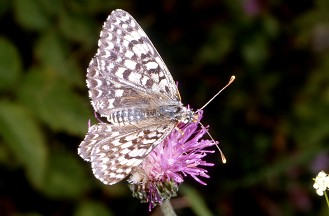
{"points": [[138, 115]]}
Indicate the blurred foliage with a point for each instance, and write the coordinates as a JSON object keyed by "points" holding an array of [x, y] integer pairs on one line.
{"points": [[272, 123]]}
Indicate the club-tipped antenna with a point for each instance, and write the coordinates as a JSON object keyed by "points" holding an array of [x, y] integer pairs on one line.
{"points": [[216, 144], [229, 83]]}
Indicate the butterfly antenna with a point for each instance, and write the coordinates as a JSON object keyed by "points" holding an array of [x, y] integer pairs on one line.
{"points": [[229, 83], [220, 151]]}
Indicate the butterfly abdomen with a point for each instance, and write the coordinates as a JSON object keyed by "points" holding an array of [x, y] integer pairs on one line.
{"points": [[136, 115], [131, 115]]}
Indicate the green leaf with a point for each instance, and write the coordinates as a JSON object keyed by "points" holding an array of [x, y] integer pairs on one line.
{"points": [[220, 42], [51, 7], [196, 202], [24, 138], [54, 55], [90, 208], [55, 102], [271, 26], [255, 51], [66, 177], [30, 14], [79, 28], [10, 64]]}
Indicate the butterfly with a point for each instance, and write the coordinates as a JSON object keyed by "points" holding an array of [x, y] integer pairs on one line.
{"points": [[131, 86]]}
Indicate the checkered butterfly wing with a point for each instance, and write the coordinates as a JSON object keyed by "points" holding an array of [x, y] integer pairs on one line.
{"points": [[115, 150], [127, 69], [127, 73]]}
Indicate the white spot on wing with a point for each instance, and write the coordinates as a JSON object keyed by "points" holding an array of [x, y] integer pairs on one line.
{"points": [[126, 145], [129, 54], [151, 65], [134, 76], [137, 153], [130, 64], [135, 35], [137, 50], [119, 72], [125, 151], [118, 93], [129, 38]]}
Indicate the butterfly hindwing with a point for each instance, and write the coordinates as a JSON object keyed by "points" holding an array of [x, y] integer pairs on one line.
{"points": [[114, 150]]}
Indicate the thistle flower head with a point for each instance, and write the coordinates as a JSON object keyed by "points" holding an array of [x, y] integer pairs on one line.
{"points": [[321, 183], [180, 155]]}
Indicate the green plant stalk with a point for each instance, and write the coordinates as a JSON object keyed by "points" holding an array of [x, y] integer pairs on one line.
{"points": [[167, 208], [326, 196]]}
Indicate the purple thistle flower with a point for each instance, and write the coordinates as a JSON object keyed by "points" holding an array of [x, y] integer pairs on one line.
{"points": [[179, 155]]}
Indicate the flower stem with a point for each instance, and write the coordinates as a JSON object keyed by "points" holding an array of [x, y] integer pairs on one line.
{"points": [[325, 194], [167, 208]]}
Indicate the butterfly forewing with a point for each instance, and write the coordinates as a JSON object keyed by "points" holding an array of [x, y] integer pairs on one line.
{"points": [[127, 67], [128, 82]]}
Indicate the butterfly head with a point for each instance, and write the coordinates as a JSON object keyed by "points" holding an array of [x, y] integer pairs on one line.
{"points": [[188, 115]]}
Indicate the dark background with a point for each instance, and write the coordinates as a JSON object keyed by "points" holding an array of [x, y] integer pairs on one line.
{"points": [[272, 122]]}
